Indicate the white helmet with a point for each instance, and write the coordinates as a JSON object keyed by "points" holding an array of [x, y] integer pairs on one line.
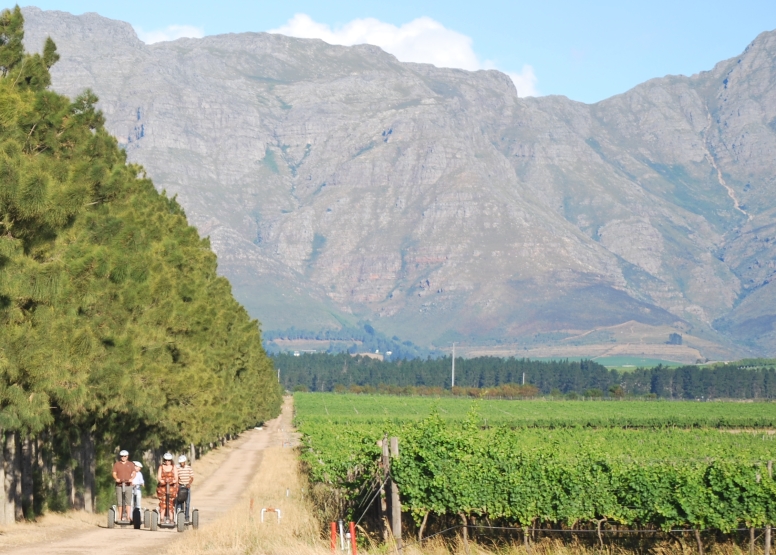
{"points": [[123, 453], [182, 459], [138, 464], [167, 456]]}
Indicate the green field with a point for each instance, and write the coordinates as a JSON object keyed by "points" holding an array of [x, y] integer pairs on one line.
{"points": [[348, 408], [619, 363]]}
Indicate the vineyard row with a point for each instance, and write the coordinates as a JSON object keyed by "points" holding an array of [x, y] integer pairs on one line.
{"points": [[458, 468]]}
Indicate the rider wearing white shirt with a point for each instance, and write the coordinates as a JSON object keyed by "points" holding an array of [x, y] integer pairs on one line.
{"points": [[137, 485]]}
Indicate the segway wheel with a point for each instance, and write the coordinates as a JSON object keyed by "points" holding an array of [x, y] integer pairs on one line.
{"points": [[112, 517], [180, 521], [195, 519], [137, 518], [146, 519], [154, 521]]}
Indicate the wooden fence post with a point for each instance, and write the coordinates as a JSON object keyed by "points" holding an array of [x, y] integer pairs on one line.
{"points": [[395, 502]]}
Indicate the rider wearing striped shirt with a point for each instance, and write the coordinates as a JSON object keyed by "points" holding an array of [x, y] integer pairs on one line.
{"points": [[185, 480]]}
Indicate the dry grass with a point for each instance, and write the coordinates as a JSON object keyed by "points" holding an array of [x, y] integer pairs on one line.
{"points": [[455, 546], [241, 531]]}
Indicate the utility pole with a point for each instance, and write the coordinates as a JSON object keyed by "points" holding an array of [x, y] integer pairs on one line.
{"points": [[453, 380]]}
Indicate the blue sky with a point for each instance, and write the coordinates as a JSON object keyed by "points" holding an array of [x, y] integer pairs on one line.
{"points": [[587, 51]]}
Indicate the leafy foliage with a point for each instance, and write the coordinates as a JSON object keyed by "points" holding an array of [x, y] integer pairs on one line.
{"points": [[579, 464], [450, 470]]}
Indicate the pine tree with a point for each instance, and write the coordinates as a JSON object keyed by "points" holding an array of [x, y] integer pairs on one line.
{"points": [[114, 325]]}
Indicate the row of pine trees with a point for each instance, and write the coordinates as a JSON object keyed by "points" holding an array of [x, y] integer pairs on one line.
{"points": [[115, 330], [324, 372]]}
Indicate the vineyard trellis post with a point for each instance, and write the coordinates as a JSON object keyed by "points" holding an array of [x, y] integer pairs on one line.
{"points": [[699, 541], [395, 502], [465, 532], [751, 540]]}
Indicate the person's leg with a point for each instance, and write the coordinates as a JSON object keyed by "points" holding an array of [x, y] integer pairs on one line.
{"points": [[160, 493], [119, 502], [127, 503], [188, 502], [173, 495]]}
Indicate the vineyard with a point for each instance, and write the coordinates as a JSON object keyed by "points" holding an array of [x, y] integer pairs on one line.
{"points": [[640, 465], [347, 409]]}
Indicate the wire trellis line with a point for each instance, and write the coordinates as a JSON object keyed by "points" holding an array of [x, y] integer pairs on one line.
{"points": [[531, 530]]}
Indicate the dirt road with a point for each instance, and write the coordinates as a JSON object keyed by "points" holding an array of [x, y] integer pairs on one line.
{"points": [[213, 497]]}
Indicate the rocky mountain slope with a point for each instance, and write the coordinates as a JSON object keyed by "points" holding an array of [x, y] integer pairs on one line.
{"points": [[339, 185]]}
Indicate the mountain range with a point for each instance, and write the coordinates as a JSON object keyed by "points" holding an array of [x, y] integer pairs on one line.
{"points": [[341, 188]]}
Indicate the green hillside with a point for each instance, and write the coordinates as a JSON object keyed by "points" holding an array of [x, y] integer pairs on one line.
{"points": [[115, 330]]}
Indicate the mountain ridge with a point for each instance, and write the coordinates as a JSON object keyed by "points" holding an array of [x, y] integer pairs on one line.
{"points": [[340, 185]]}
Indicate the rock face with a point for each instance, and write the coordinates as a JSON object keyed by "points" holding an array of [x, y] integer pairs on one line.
{"points": [[338, 184]]}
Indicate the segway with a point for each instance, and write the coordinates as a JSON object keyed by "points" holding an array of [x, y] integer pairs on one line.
{"points": [[194, 522], [114, 511], [177, 520]]}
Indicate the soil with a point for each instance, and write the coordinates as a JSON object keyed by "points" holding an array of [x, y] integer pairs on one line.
{"points": [[213, 497]]}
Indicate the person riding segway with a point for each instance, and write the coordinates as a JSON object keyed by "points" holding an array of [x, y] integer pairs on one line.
{"points": [[185, 480], [123, 475], [167, 490], [137, 493]]}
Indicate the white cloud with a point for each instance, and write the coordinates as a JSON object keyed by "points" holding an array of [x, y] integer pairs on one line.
{"points": [[171, 32], [525, 81], [422, 40]]}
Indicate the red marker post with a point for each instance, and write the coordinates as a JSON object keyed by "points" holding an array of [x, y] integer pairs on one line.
{"points": [[353, 538], [333, 537]]}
